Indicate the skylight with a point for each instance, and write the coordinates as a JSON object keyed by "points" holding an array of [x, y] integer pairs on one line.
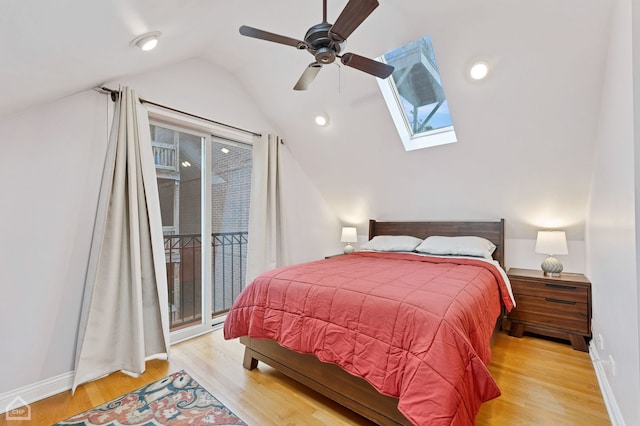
{"points": [[415, 96]]}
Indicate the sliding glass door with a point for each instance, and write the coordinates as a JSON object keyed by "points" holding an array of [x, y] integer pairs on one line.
{"points": [[204, 186], [230, 189], [178, 156]]}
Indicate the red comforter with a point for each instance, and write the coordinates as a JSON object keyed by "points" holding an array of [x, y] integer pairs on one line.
{"points": [[416, 327]]}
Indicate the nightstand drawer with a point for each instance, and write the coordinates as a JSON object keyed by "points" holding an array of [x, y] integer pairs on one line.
{"points": [[558, 313], [560, 291]]}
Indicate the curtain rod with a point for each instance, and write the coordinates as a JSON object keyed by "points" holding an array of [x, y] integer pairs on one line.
{"points": [[114, 96]]}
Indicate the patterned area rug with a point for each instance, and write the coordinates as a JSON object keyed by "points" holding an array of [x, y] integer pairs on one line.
{"points": [[174, 400]]}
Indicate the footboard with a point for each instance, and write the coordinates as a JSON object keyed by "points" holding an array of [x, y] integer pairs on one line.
{"points": [[326, 379], [329, 379]]}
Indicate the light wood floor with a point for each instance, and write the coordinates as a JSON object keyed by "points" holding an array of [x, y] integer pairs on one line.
{"points": [[543, 382]]}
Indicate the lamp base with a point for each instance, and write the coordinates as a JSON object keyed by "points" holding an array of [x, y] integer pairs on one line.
{"points": [[348, 249], [551, 267]]}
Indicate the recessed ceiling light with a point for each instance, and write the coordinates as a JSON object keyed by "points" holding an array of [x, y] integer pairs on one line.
{"points": [[186, 164], [479, 70], [322, 120], [146, 41], [224, 150]]}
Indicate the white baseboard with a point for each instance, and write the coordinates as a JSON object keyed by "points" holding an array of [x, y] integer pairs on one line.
{"points": [[36, 391], [615, 415]]}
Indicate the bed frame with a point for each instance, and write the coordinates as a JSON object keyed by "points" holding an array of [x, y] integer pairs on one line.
{"points": [[329, 379]]}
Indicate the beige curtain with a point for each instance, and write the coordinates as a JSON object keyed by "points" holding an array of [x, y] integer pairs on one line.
{"points": [[266, 249], [124, 317]]}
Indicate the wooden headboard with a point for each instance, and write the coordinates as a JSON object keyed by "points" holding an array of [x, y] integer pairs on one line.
{"points": [[492, 231]]}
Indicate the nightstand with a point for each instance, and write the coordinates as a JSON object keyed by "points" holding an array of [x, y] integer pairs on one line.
{"points": [[558, 307]]}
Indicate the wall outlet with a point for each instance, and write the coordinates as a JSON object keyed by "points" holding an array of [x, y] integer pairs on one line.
{"points": [[612, 365], [600, 342]]}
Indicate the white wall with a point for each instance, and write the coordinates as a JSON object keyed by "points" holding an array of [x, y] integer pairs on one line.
{"points": [[521, 253], [612, 223], [313, 229], [51, 167], [635, 29]]}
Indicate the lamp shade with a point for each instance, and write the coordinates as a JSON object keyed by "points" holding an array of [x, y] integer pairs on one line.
{"points": [[551, 242], [349, 235]]}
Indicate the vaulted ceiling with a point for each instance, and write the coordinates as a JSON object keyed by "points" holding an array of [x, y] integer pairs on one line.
{"points": [[540, 101], [53, 49]]}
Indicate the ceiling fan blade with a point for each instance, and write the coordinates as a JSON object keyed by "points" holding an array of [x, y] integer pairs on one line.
{"points": [[353, 14], [367, 65], [308, 76], [276, 38]]}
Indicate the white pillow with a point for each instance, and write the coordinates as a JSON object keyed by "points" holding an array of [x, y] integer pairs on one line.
{"points": [[391, 243], [457, 246]]}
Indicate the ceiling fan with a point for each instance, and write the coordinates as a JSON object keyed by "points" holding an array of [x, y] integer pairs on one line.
{"points": [[326, 42]]}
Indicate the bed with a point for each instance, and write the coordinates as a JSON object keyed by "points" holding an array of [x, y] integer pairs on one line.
{"points": [[419, 382]]}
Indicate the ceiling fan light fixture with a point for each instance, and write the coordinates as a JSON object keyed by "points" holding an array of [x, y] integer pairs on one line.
{"points": [[325, 55], [479, 70], [322, 119], [146, 41]]}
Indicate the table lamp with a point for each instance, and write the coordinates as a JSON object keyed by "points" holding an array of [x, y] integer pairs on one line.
{"points": [[551, 242], [349, 235]]}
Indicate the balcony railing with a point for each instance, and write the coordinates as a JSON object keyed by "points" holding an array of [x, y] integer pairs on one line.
{"points": [[183, 254], [229, 266], [164, 156]]}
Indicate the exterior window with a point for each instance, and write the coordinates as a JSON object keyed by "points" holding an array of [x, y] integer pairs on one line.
{"points": [[415, 96]]}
